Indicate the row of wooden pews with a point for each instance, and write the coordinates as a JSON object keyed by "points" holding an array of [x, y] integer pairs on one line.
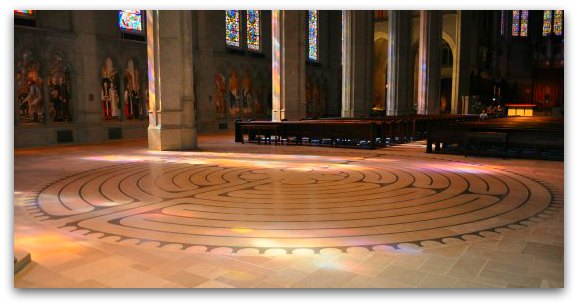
{"points": [[368, 133], [530, 137]]}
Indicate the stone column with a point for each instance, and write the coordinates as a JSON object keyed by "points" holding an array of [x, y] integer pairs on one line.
{"points": [[203, 30], [430, 35], [398, 76], [288, 50], [465, 39], [172, 124], [87, 106], [357, 62], [459, 75]]}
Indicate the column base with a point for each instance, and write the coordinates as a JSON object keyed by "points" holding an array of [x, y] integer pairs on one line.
{"points": [[21, 259], [172, 139]]}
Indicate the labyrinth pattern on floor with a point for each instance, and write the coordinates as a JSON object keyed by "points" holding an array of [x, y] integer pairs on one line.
{"points": [[290, 202]]}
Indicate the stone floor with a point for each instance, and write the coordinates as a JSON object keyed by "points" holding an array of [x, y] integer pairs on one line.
{"points": [[262, 216]]}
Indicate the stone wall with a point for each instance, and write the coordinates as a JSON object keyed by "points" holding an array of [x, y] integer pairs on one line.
{"points": [[228, 83], [73, 45]]}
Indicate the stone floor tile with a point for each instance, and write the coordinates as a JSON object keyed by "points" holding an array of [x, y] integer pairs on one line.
{"points": [[511, 280], [403, 275], [467, 267], [437, 281], [325, 278]]}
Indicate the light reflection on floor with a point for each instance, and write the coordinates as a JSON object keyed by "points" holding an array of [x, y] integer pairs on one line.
{"points": [[240, 200], [263, 219]]}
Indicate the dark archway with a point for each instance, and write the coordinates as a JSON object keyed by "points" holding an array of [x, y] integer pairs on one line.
{"points": [[446, 77]]}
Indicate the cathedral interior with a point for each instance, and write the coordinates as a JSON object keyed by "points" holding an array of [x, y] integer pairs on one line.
{"points": [[288, 149]]}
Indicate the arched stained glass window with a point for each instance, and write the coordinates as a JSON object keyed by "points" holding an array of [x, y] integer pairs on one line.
{"points": [[25, 18], [342, 28], [313, 53], [515, 23], [503, 23], [558, 22], [232, 25], [524, 23], [130, 20], [25, 13], [254, 30], [547, 24]]}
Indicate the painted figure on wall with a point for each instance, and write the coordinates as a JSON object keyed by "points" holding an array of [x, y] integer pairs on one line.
{"points": [[109, 93], [58, 88], [114, 100], [54, 105], [259, 94], [258, 108], [33, 101], [220, 92], [247, 96], [316, 95], [64, 94], [29, 89], [234, 96], [132, 97]]}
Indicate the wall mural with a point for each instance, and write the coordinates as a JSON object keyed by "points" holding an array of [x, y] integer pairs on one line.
{"points": [[134, 107], [247, 96], [109, 91], [316, 97], [258, 106], [29, 89], [220, 92], [240, 92], [234, 93], [59, 90]]}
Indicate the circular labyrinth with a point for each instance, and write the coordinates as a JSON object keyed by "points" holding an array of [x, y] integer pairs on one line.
{"points": [[289, 204]]}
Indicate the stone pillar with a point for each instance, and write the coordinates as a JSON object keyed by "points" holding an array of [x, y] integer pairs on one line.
{"points": [[430, 35], [172, 124], [465, 39], [456, 68], [288, 50], [203, 31], [87, 106], [357, 62], [398, 69]]}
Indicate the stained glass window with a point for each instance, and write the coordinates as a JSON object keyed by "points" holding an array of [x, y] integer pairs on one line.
{"points": [[547, 25], [130, 20], [24, 12], [254, 30], [524, 24], [503, 22], [558, 18], [232, 31], [342, 28], [515, 23], [313, 35]]}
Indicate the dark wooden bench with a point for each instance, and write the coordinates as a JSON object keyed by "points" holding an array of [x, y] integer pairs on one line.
{"points": [[348, 132], [521, 136], [486, 138], [260, 132]]}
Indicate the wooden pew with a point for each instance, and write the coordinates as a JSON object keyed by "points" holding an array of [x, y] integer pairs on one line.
{"points": [[351, 132], [519, 134], [337, 132]]}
